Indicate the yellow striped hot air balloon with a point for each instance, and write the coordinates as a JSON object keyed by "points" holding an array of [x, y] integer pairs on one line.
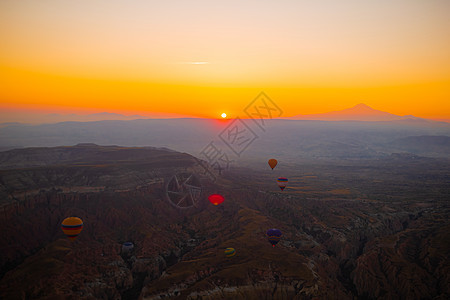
{"points": [[72, 227], [229, 252]]}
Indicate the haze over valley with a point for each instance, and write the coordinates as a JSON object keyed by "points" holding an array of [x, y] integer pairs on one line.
{"points": [[288, 138]]}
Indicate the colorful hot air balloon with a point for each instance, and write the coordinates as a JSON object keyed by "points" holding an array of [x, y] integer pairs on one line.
{"points": [[72, 227], [216, 199], [274, 236], [229, 252], [282, 182], [272, 162]]}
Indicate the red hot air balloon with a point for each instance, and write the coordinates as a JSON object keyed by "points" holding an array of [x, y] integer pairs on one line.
{"points": [[216, 199]]}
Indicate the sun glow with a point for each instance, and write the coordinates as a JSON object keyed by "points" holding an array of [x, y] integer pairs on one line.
{"points": [[195, 62], [224, 115]]}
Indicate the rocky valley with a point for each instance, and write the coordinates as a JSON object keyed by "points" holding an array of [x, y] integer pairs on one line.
{"points": [[372, 229]]}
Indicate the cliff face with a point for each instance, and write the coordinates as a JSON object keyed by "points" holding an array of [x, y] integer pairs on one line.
{"points": [[330, 249], [334, 245], [121, 200], [410, 264]]}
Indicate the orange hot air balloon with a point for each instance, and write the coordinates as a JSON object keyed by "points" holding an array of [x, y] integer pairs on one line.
{"points": [[272, 162], [72, 227], [216, 199]]}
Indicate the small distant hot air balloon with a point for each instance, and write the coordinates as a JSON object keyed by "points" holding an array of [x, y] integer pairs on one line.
{"points": [[229, 252], [272, 162], [282, 182], [216, 199], [274, 235], [72, 227], [127, 247]]}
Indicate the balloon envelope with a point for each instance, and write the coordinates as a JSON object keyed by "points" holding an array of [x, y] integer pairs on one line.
{"points": [[216, 199], [229, 252], [127, 246], [72, 227], [282, 182], [274, 235], [272, 163]]}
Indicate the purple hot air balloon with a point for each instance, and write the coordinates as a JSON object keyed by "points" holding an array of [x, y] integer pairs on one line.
{"points": [[274, 236]]}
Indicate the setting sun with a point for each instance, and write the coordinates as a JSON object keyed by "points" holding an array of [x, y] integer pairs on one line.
{"points": [[224, 115]]}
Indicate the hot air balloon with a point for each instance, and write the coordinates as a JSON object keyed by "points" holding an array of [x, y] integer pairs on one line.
{"points": [[272, 162], [72, 227], [282, 182], [216, 199], [229, 252], [274, 235], [127, 247]]}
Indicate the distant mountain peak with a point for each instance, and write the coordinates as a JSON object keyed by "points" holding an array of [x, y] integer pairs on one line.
{"points": [[362, 105], [359, 112], [363, 108]]}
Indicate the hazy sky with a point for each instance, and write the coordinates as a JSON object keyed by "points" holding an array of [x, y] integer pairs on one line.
{"points": [[201, 58]]}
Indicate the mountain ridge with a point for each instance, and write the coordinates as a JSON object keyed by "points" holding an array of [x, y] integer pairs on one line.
{"points": [[36, 118], [359, 112]]}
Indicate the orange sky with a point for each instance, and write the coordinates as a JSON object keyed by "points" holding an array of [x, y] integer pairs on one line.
{"points": [[202, 58]]}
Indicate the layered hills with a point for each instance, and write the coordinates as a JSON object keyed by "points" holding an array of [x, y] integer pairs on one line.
{"points": [[376, 229], [290, 139], [359, 112]]}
